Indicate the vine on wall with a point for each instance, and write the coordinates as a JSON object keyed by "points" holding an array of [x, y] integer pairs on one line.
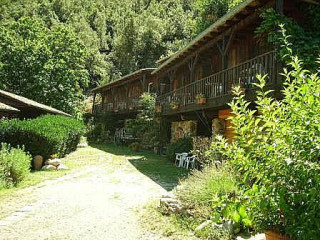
{"points": [[304, 40]]}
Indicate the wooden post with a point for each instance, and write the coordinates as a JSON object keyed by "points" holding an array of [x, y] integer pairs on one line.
{"points": [[279, 6], [143, 83], [223, 47], [192, 64], [171, 75], [93, 103]]}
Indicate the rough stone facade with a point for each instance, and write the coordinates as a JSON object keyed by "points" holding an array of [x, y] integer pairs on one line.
{"points": [[183, 129], [218, 126]]}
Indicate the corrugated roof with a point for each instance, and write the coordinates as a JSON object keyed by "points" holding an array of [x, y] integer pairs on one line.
{"points": [[32, 103], [208, 32], [125, 78]]}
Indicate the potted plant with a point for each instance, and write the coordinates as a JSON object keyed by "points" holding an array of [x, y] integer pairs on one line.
{"points": [[174, 105], [135, 146], [158, 108], [200, 98]]}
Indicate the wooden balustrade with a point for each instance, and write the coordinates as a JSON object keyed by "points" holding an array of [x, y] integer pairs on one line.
{"points": [[121, 106], [220, 84]]}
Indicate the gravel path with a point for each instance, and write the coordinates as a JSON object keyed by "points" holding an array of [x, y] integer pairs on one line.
{"points": [[97, 203]]}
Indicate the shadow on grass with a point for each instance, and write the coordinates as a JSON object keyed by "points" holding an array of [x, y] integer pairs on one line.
{"points": [[157, 168]]}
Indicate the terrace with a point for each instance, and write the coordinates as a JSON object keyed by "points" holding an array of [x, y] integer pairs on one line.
{"points": [[216, 88]]}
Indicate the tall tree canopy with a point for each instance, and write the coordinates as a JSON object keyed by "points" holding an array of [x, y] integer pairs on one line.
{"points": [[42, 64], [119, 36]]}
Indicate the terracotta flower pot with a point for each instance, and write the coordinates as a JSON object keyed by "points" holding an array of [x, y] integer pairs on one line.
{"points": [[271, 235], [158, 109], [175, 107], [201, 100], [37, 162]]}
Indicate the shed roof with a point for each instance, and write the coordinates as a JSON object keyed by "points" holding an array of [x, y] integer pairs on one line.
{"points": [[241, 11], [22, 101], [124, 79], [7, 108]]}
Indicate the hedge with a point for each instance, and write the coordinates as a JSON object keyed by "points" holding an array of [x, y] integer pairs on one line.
{"points": [[45, 135]]}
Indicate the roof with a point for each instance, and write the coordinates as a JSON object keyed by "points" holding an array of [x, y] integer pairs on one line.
{"points": [[30, 103], [124, 79], [244, 9], [7, 108]]}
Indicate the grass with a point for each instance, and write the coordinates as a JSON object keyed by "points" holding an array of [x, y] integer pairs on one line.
{"points": [[197, 193], [75, 161], [156, 167]]}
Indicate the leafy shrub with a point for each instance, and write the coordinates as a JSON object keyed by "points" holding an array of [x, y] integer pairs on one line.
{"points": [[200, 145], [201, 187], [205, 194], [14, 165], [179, 146], [276, 153], [44, 135]]}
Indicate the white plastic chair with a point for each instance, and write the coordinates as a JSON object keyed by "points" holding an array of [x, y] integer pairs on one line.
{"points": [[180, 159], [190, 160]]}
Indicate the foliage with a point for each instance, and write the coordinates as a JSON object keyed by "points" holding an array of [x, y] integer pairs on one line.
{"points": [[305, 40], [101, 126], [134, 146], [276, 153], [181, 145], [209, 11], [145, 126], [120, 35], [14, 165], [200, 145], [46, 65], [203, 187], [45, 135], [207, 193]]}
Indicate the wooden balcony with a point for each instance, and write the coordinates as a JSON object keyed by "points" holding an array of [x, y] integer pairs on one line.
{"points": [[217, 87], [131, 105]]}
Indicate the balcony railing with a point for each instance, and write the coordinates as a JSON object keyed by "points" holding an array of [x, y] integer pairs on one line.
{"points": [[117, 107], [219, 85]]}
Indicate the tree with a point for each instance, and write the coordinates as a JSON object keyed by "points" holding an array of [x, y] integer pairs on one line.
{"points": [[46, 65]]}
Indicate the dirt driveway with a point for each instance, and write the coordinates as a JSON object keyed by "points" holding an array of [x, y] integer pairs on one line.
{"points": [[99, 202]]}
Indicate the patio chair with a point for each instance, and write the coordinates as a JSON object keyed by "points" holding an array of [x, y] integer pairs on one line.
{"points": [[180, 159], [190, 161]]}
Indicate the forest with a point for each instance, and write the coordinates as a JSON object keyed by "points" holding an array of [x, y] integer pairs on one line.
{"points": [[51, 48]]}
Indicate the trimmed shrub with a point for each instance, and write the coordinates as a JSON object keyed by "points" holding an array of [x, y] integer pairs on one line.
{"points": [[179, 146], [45, 135], [14, 165]]}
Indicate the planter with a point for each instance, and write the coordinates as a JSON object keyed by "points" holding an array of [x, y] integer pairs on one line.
{"points": [[175, 107], [37, 162], [135, 148], [158, 109], [270, 235], [201, 100]]}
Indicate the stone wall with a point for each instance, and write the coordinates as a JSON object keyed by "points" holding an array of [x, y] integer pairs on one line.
{"points": [[183, 129], [218, 127]]}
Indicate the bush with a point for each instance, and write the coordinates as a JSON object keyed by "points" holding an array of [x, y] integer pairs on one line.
{"points": [[179, 146], [201, 194], [44, 135], [201, 187], [14, 165], [276, 154]]}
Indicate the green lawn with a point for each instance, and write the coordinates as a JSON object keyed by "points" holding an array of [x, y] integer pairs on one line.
{"points": [[156, 167]]}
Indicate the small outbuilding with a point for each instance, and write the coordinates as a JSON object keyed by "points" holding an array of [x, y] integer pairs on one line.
{"points": [[15, 106]]}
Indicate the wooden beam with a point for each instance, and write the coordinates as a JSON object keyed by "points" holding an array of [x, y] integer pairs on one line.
{"points": [[244, 23], [311, 1]]}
